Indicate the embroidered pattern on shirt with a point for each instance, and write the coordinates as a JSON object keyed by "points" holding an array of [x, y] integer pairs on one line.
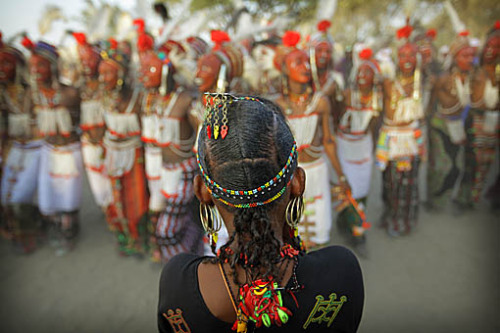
{"points": [[176, 320], [325, 311]]}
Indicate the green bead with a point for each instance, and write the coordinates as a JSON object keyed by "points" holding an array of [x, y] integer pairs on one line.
{"points": [[283, 316], [266, 320]]}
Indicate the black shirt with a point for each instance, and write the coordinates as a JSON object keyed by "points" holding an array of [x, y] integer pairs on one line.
{"points": [[331, 301]]}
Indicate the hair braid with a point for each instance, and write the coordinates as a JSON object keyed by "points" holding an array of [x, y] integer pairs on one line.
{"points": [[243, 161]]}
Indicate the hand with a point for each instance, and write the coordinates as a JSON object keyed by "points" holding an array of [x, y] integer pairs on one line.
{"points": [[344, 184]]}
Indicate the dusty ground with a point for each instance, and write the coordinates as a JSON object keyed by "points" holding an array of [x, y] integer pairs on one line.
{"points": [[445, 277]]}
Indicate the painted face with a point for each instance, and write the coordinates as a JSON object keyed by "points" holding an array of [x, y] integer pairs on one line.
{"points": [[207, 72], [7, 67], [264, 56], [297, 66], [90, 60], [407, 55], [323, 52], [108, 74], [365, 76], [150, 70], [465, 59], [490, 53], [39, 68]]}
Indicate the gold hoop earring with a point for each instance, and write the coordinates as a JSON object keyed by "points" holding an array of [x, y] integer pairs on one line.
{"points": [[294, 211], [211, 221]]}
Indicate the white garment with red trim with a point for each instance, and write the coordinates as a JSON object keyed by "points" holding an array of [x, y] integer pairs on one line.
{"points": [[355, 154], [52, 121], [318, 206], [303, 128], [60, 178], [20, 173], [92, 114], [100, 184], [153, 162]]}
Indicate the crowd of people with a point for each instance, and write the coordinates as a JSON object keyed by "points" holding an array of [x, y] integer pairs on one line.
{"points": [[131, 128]]}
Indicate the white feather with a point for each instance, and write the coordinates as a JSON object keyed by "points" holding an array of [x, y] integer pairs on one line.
{"points": [[458, 25], [325, 9], [50, 14], [173, 23], [99, 25]]}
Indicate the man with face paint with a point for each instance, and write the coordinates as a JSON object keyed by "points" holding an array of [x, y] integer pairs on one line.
{"points": [[400, 144], [170, 161], [268, 83], [221, 69], [482, 120], [21, 154], [57, 109], [447, 132], [355, 144], [92, 122], [124, 161], [309, 117], [324, 77]]}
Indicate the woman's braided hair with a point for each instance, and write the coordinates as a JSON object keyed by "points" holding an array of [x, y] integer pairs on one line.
{"points": [[256, 148]]}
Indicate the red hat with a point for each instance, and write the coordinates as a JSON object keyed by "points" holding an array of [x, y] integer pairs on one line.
{"points": [[365, 54], [324, 25], [80, 37], [219, 37], [28, 43], [431, 33], [404, 32], [291, 38]]}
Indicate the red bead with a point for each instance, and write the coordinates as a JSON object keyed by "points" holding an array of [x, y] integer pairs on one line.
{"points": [[223, 131]]}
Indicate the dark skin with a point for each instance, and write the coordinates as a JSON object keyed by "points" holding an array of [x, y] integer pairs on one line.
{"points": [[207, 71], [323, 54], [7, 68], [109, 75], [152, 80], [407, 56], [70, 97], [444, 88], [298, 71], [491, 59], [210, 280], [365, 79], [90, 64]]}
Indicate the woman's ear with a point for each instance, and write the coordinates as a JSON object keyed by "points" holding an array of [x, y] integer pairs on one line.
{"points": [[201, 191], [298, 182]]}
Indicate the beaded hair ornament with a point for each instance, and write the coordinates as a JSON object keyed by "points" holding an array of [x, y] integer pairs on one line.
{"points": [[216, 121]]}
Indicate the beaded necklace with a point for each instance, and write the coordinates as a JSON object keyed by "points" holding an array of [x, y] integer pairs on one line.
{"points": [[260, 300]]}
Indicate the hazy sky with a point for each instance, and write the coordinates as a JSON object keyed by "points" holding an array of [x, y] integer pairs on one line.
{"points": [[19, 15]]}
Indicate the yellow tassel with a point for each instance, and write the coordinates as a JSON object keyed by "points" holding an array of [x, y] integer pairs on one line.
{"points": [[216, 132]]}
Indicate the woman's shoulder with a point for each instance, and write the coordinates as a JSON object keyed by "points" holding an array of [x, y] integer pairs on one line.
{"points": [[332, 294], [334, 268], [180, 265], [332, 255]]}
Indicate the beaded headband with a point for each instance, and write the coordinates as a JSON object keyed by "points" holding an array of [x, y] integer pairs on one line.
{"points": [[270, 191], [259, 196]]}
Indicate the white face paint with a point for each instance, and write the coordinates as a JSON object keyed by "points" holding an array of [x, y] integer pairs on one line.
{"points": [[198, 81], [264, 56]]}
